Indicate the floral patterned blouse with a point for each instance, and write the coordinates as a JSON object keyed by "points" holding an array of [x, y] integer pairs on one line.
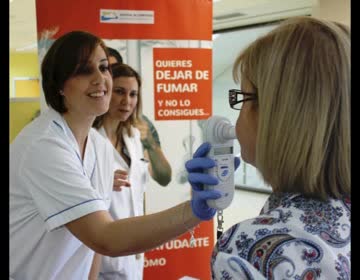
{"points": [[294, 237]]}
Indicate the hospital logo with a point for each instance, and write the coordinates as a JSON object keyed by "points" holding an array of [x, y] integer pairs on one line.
{"points": [[127, 16]]}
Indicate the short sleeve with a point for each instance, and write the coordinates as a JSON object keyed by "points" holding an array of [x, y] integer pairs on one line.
{"points": [[58, 184]]}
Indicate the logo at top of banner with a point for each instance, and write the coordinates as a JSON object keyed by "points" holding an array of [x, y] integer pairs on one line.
{"points": [[129, 20], [127, 16]]}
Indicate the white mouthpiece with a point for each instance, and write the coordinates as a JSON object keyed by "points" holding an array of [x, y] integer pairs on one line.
{"points": [[219, 130]]}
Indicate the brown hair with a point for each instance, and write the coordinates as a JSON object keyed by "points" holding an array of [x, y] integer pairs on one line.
{"points": [[124, 70], [66, 55]]}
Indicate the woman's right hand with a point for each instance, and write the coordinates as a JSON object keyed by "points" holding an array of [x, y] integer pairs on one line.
{"points": [[197, 178], [146, 137], [120, 180]]}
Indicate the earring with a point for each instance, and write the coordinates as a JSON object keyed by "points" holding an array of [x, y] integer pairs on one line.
{"points": [[61, 92]]}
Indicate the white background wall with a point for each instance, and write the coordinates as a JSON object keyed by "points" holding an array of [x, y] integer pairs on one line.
{"points": [[336, 10]]}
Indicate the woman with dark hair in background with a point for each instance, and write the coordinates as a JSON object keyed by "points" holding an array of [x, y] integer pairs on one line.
{"points": [[159, 167], [131, 169]]}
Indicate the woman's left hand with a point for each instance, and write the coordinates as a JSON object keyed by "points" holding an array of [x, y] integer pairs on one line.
{"points": [[120, 180]]}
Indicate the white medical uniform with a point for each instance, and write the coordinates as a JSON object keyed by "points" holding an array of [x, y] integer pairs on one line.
{"points": [[128, 202], [50, 186]]}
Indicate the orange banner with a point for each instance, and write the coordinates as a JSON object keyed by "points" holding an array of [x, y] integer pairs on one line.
{"points": [[175, 260], [125, 19], [182, 83], [183, 91]]}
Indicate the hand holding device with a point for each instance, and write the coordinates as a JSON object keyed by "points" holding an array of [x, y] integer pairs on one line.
{"points": [[197, 179]]}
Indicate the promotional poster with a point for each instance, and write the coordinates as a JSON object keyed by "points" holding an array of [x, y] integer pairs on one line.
{"points": [[169, 44]]}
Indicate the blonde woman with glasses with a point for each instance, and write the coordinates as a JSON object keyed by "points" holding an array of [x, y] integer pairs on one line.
{"points": [[294, 127]]}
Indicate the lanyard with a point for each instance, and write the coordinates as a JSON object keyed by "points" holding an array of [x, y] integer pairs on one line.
{"points": [[220, 221]]}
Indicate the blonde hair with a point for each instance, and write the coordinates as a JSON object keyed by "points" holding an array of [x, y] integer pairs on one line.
{"points": [[301, 74]]}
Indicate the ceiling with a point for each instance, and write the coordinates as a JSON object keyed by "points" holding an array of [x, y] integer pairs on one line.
{"points": [[226, 14]]}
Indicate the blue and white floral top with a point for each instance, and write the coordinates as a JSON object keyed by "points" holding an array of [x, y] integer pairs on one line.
{"points": [[294, 237]]}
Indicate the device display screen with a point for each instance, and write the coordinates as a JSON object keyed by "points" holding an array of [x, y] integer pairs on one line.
{"points": [[223, 151]]}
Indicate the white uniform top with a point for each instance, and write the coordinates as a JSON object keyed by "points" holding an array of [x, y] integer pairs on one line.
{"points": [[50, 186], [128, 202]]}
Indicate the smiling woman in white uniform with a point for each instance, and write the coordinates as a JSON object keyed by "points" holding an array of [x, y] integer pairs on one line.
{"points": [[61, 176], [118, 126]]}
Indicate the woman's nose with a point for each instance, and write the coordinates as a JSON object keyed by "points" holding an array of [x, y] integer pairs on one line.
{"points": [[125, 98], [98, 78]]}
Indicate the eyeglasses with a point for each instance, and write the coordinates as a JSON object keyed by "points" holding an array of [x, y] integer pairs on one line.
{"points": [[237, 97]]}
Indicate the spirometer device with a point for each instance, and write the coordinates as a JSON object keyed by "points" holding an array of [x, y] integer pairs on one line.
{"points": [[220, 133]]}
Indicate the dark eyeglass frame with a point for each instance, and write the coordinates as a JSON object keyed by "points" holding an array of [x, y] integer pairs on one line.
{"points": [[233, 94]]}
